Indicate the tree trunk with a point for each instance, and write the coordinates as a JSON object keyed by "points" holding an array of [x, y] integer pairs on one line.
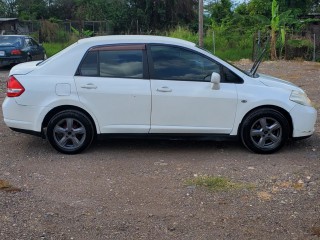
{"points": [[201, 23], [273, 45]]}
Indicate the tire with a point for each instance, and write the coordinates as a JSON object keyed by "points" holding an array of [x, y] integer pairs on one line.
{"points": [[264, 131], [70, 132]]}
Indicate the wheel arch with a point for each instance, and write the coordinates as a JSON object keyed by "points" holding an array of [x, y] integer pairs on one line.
{"points": [[58, 109], [285, 113]]}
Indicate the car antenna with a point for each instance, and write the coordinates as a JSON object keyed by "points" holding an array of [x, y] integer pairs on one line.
{"points": [[257, 62]]}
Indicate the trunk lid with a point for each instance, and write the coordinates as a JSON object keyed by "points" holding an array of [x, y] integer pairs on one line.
{"points": [[24, 68]]}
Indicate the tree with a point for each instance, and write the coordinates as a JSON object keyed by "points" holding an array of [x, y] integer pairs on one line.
{"points": [[220, 10], [274, 29], [62, 9], [9, 7], [32, 9], [260, 7]]}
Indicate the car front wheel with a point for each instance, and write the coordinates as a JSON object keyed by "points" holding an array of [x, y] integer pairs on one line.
{"points": [[265, 131], [70, 132]]}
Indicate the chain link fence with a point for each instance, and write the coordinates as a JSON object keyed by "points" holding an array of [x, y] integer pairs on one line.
{"points": [[80, 28]]}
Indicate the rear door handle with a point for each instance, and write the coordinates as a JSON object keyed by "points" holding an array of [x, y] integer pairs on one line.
{"points": [[89, 86], [164, 89]]}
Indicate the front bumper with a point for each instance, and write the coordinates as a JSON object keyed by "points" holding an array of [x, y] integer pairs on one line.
{"points": [[303, 119]]}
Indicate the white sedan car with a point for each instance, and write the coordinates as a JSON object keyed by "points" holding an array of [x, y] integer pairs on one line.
{"points": [[152, 87]]}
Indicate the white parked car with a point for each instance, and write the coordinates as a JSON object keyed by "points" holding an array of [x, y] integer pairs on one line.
{"points": [[151, 86]]}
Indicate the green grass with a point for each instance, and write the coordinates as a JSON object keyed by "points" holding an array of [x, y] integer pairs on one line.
{"points": [[53, 48], [217, 183], [183, 33], [234, 54]]}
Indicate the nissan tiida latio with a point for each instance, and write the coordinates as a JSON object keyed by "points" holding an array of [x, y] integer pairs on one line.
{"points": [[152, 87]]}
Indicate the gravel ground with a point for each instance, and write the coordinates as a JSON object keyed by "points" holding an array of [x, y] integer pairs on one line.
{"points": [[136, 189]]}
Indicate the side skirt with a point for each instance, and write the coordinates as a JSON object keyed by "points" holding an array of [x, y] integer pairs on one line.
{"points": [[200, 137]]}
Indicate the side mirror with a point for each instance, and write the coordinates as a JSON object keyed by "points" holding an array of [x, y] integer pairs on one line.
{"points": [[215, 79]]}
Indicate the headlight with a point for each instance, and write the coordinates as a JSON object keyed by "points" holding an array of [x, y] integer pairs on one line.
{"points": [[300, 97]]}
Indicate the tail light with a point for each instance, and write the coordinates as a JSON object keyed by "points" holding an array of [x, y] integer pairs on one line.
{"points": [[15, 52], [14, 88]]}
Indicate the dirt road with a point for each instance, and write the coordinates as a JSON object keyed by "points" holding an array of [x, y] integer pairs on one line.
{"points": [[136, 189]]}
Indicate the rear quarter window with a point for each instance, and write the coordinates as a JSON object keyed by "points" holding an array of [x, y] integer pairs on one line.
{"points": [[89, 65]]}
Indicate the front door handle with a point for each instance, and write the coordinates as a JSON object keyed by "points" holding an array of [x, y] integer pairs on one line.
{"points": [[164, 89], [89, 86]]}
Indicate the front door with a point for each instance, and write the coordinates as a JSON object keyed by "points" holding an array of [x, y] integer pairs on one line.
{"points": [[183, 100]]}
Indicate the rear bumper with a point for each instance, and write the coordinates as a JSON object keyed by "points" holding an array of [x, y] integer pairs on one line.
{"points": [[25, 118], [11, 60], [38, 134]]}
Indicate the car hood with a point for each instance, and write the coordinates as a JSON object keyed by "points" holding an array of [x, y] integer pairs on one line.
{"points": [[277, 82], [24, 68]]}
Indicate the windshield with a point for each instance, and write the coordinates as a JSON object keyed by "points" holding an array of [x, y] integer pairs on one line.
{"points": [[244, 71], [239, 69], [11, 41]]}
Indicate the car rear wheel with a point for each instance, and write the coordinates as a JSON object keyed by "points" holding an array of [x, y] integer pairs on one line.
{"points": [[70, 132], [265, 131]]}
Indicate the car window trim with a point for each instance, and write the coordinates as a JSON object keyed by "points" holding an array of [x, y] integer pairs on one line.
{"points": [[118, 47]]}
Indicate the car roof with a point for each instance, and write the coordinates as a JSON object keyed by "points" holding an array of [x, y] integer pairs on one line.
{"points": [[113, 39]]}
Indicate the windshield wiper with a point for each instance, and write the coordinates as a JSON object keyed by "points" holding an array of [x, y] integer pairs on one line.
{"points": [[257, 62]]}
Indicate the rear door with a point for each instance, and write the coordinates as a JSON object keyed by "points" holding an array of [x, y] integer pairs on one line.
{"points": [[112, 81]]}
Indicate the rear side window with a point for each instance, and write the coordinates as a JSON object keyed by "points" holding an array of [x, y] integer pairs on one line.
{"points": [[113, 63], [31, 42], [121, 64]]}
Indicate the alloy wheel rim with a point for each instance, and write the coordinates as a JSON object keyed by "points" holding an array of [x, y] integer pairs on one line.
{"points": [[266, 133], [69, 134]]}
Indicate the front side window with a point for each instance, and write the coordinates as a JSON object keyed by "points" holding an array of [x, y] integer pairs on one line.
{"points": [[34, 43], [113, 63], [174, 63]]}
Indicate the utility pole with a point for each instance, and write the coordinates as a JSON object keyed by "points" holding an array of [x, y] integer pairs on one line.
{"points": [[201, 23], [314, 47]]}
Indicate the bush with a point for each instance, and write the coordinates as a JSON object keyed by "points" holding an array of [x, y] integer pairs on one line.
{"points": [[299, 48], [183, 33], [228, 46], [54, 47]]}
